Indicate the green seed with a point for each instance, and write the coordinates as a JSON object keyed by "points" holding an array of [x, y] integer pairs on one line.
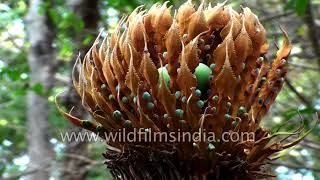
{"points": [[116, 114], [200, 104], [177, 94], [164, 72], [99, 128], [135, 99], [184, 99], [214, 109], [150, 106], [198, 93], [103, 87], [202, 73], [212, 66], [146, 96], [127, 124], [165, 116], [228, 104], [234, 124], [211, 147], [215, 98], [164, 54], [242, 110], [111, 98], [227, 117], [124, 100], [179, 112]]}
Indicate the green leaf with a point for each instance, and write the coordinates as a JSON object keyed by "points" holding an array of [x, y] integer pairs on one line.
{"points": [[13, 74], [301, 6], [44, 6], [301, 30], [38, 88], [87, 40], [78, 25], [54, 15], [289, 114]]}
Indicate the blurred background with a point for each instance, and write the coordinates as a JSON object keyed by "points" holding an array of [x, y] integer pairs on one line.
{"points": [[39, 42]]}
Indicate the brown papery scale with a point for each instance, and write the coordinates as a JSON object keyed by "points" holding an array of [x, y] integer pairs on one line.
{"points": [[186, 70]]}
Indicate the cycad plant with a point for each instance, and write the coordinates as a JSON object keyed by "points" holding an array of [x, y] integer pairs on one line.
{"points": [[185, 71]]}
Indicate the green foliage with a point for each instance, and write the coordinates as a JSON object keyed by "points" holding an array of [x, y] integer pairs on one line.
{"points": [[299, 6]]}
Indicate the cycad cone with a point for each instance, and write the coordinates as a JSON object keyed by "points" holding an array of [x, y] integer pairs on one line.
{"points": [[202, 69]]}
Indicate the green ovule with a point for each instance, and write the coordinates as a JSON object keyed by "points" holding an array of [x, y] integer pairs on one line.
{"points": [[200, 104], [150, 106], [117, 114], [127, 124], [124, 100], [211, 147], [99, 128], [164, 71], [103, 87], [111, 98], [202, 72], [242, 110], [178, 94], [227, 117], [146, 96], [179, 113]]}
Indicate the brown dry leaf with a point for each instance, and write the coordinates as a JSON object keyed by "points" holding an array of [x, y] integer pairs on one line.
{"points": [[233, 25], [127, 54], [165, 97], [255, 30], [226, 80], [243, 45], [117, 67], [186, 80], [132, 78], [149, 71], [219, 54], [163, 20], [137, 32], [197, 23], [218, 17], [172, 41], [108, 74], [190, 54], [183, 16], [150, 17]]}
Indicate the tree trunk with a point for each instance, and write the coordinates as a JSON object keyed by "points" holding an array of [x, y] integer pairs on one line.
{"points": [[88, 11], [40, 59]]}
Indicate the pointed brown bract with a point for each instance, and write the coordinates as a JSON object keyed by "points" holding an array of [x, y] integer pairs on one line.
{"points": [[190, 54], [186, 80], [196, 70], [197, 23], [165, 97], [183, 16]]}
